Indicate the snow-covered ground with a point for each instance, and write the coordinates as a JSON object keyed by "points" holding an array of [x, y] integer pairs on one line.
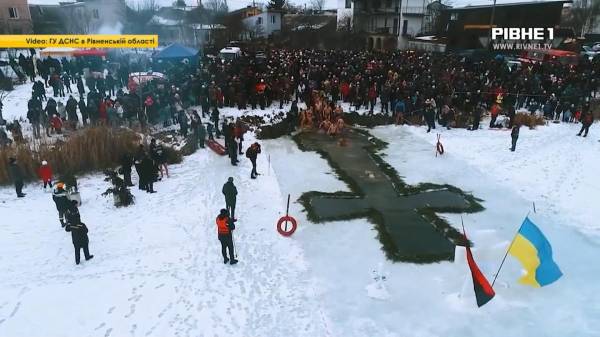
{"points": [[158, 269], [437, 299]]}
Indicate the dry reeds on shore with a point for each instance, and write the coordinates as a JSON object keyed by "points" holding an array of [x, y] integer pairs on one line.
{"points": [[529, 120], [89, 150]]}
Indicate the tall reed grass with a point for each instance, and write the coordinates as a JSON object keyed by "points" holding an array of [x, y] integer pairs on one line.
{"points": [[89, 150]]}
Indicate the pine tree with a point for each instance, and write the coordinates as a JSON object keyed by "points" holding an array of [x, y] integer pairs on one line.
{"points": [[276, 4]]}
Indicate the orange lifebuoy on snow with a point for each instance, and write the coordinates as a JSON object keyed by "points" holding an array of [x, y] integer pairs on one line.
{"points": [[285, 231], [439, 147]]}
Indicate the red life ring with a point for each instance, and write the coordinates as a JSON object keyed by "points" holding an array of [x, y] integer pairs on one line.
{"points": [[285, 231], [440, 148]]}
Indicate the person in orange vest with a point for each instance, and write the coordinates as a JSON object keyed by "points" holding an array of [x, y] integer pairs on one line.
{"points": [[225, 226]]}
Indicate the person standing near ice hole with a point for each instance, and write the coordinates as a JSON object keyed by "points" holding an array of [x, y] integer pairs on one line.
{"points": [[78, 232], [230, 193], [225, 226], [158, 155], [429, 113], [514, 135], [16, 174], [252, 153]]}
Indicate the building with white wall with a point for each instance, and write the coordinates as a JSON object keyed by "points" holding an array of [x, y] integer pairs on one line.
{"points": [[95, 16], [345, 15], [263, 24], [388, 24]]}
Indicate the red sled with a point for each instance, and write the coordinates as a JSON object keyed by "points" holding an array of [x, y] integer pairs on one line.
{"points": [[216, 147]]}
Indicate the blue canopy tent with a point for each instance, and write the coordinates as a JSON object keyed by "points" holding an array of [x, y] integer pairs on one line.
{"points": [[176, 53]]}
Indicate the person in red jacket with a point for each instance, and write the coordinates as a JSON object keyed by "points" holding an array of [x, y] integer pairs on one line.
{"points": [[372, 97], [261, 87], [225, 226], [57, 124], [239, 131], [586, 121], [45, 173], [345, 90]]}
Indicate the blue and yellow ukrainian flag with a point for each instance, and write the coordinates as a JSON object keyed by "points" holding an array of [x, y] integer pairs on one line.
{"points": [[534, 252]]}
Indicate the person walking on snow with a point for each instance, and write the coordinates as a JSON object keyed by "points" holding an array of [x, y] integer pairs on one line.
{"points": [[586, 121], [252, 153], [16, 174], [126, 163], [225, 226], [514, 134], [230, 193], [59, 195], [158, 155], [45, 173], [78, 232]]}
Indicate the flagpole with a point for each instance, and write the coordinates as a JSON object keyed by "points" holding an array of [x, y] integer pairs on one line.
{"points": [[508, 250]]}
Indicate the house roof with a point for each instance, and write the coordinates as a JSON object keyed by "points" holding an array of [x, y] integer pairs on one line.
{"points": [[302, 21], [176, 50], [162, 21]]}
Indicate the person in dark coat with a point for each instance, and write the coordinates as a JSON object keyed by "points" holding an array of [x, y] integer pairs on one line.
{"points": [[126, 163], [59, 195], [71, 109], [78, 232], [230, 193], [214, 117], [34, 114], [514, 135], [157, 154], [586, 121], [252, 153], [225, 227], [231, 146], [477, 112], [228, 134], [149, 172], [139, 156], [83, 109], [429, 115], [80, 86], [16, 174]]}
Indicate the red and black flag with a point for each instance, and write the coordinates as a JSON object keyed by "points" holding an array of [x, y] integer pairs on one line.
{"points": [[483, 290]]}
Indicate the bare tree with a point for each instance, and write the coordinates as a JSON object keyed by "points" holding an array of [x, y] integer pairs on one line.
{"points": [[3, 95], [217, 6], [145, 5], [582, 15], [79, 21], [317, 5]]}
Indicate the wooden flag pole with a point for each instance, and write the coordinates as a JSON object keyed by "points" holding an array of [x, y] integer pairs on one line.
{"points": [[508, 250]]}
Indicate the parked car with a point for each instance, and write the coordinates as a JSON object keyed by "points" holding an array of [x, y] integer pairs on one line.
{"points": [[230, 53], [589, 52], [549, 56]]}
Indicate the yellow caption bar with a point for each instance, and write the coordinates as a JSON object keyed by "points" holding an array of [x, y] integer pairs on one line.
{"points": [[79, 41]]}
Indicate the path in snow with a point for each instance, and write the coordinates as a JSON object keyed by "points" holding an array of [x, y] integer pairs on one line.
{"points": [[158, 270]]}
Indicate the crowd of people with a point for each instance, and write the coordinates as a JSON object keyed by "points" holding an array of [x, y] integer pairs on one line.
{"points": [[410, 86], [314, 86]]}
